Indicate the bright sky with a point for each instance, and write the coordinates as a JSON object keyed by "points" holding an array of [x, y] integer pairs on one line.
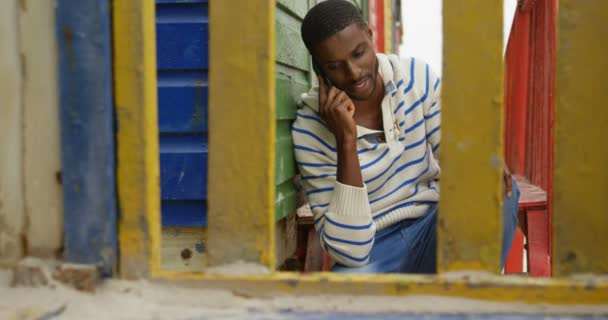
{"points": [[422, 30]]}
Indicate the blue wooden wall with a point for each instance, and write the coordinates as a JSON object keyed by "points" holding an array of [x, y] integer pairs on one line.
{"points": [[87, 132], [182, 56]]}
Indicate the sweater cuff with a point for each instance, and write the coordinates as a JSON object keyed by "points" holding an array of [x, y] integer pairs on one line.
{"points": [[347, 200]]}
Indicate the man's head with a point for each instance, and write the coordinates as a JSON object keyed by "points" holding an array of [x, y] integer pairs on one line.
{"points": [[341, 46]]}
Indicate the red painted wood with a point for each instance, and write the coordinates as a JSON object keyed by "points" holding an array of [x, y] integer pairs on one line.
{"points": [[376, 23], [529, 88], [515, 259], [538, 243], [532, 196], [516, 92], [532, 199]]}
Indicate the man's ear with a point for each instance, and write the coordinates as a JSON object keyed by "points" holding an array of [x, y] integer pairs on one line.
{"points": [[370, 33]]}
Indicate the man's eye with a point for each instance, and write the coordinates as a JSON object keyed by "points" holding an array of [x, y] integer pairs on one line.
{"points": [[331, 67], [358, 54]]}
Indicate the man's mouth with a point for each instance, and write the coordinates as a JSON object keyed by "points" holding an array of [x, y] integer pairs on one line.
{"points": [[361, 85]]}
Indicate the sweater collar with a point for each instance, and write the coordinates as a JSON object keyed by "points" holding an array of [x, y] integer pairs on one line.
{"points": [[386, 73]]}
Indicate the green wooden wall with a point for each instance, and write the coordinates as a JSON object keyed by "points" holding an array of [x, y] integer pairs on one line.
{"points": [[292, 79]]}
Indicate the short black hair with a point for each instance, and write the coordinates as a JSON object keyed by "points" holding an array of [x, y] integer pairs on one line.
{"points": [[326, 19]]}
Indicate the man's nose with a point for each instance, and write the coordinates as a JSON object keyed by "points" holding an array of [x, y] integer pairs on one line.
{"points": [[352, 71]]}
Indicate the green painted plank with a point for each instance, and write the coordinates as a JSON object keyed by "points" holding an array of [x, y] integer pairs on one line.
{"points": [[292, 79], [290, 84], [287, 96], [285, 168], [295, 7], [285, 201], [290, 48]]}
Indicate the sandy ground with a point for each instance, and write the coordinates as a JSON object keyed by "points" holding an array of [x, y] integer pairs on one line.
{"points": [[119, 299]]}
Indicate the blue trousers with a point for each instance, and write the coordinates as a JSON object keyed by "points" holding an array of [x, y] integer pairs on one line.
{"points": [[410, 246]]}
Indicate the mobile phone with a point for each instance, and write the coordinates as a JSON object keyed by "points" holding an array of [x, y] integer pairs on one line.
{"points": [[319, 72]]}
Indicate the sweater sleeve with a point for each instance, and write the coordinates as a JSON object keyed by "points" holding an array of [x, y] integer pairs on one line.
{"points": [[342, 214]]}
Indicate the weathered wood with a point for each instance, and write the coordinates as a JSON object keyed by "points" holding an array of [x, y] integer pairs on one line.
{"points": [[183, 249], [12, 215], [241, 178], [137, 137], [290, 49], [285, 204], [41, 130], [87, 132], [286, 238], [470, 227], [290, 84], [314, 253], [80, 277], [580, 222], [297, 8], [292, 71], [285, 161]]}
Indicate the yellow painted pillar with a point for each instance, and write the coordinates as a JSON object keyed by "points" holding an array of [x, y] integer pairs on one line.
{"points": [[469, 226], [580, 185], [242, 128], [137, 137]]}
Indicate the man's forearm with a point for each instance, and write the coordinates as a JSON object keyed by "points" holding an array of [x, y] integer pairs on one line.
{"points": [[349, 170]]}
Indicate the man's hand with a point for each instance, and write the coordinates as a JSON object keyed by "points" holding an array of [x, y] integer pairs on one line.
{"points": [[337, 110], [508, 182]]}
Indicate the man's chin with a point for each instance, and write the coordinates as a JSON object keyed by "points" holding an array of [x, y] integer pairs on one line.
{"points": [[361, 97], [358, 97]]}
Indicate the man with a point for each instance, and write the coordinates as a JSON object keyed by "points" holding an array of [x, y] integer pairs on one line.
{"points": [[367, 142]]}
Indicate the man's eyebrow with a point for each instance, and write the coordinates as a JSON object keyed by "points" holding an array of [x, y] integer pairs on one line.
{"points": [[355, 49]]}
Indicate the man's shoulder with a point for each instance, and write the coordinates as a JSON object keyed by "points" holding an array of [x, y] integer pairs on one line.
{"points": [[309, 120], [415, 72], [410, 65]]}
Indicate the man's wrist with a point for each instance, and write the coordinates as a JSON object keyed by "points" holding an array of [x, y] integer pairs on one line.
{"points": [[347, 140], [347, 143]]}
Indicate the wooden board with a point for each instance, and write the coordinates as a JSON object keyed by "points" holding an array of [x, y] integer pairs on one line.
{"points": [[11, 179], [292, 79], [87, 132], [183, 249], [41, 130]]}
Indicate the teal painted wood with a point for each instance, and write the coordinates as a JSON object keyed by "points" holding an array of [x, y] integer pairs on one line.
{"points": [[87, 132]]}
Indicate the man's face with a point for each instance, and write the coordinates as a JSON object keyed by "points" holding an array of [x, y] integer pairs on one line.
{"points": [[348, 59]]}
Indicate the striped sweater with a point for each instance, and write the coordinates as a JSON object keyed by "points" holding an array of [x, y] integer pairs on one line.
{"points": [[400, 172]]}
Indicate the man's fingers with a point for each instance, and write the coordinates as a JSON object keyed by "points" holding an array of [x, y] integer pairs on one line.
{"points": [[344, 100], [340, 97], [332, 94], [346, 105]]}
